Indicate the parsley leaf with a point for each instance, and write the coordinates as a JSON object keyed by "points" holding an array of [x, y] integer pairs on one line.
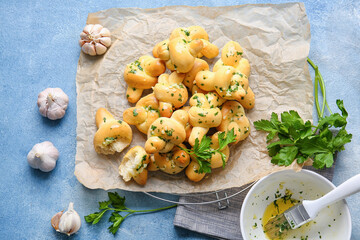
{"points": [[225, 140], [104, 205], [285, 156], [116, 200], [116, 204], [323, 159], [116, 220], [203, 152], [300, 141]]}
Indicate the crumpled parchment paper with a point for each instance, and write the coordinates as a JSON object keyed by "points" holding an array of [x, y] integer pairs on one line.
{"points": [[275, 39]]}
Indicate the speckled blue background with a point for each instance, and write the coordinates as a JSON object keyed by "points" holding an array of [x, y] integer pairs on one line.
{"points": [[39, 49]]}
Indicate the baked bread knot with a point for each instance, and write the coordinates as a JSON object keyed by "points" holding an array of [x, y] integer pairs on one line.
{"points": [[144, 113], [199, 65], [216, 160], [202, 116], [192, 171], [142, 74], [134, 165], [231, 55], [112, 135], [171, 93], [208, 50], [171, 162], [165, 133], [161, 50], [179, 54], [188, 127], [234, 117], [182, 54], [229, 83]]}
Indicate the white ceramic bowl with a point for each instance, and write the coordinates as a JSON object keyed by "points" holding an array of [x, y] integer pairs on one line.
{"points": [[333, 222]]}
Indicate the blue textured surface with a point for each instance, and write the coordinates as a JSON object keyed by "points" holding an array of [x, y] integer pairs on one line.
{"points": [[39, 49]]}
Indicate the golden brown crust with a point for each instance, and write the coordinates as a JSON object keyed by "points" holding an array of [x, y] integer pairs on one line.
{"points": [[152, 164], [102, 116], [216, 160], [192, 32], [228, 82], [141, 178], [161, 50], [171, 93], [164, 133], [183, 47], [188, 127], [112, 136], [191, 172], [234, 118], [134, 165], [143, 114], [248, 101], [205, 80], [208, 50], [172, 162], [202, 116], [231, 55], [142, 74], [199, 65], [183, 53]]}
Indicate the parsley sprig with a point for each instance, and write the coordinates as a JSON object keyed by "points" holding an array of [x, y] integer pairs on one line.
{"points": [[301, 140], [116, 204], [202, 151]]}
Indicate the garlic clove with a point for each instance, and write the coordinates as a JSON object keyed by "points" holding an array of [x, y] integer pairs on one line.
{"points": [[81, 42], [96, 29], [100, 49], [68, 222], [105, 32], [106, 41], [84, 36], [96, 36], [55, 220], [88, 28], [88, 48]]}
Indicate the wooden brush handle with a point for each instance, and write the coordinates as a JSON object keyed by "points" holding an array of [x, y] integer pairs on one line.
{"points": [[346, 189]]}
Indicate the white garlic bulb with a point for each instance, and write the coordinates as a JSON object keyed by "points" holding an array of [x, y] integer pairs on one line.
{"points": [[43, 156], [68, 222], [95, 39], [52, 103]]}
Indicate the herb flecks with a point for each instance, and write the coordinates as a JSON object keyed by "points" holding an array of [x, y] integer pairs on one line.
{"points": [[135, 113], [108, 140]]}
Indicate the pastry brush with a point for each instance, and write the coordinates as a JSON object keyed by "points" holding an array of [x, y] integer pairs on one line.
{"points": [[306, 211]]}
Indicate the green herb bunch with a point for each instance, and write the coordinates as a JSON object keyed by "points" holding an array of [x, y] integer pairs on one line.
{"points": [[202, 151], [301, 140], [116, 204]]}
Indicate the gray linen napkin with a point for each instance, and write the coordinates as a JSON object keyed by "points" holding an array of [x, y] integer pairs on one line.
{"points": [[222, 224]]}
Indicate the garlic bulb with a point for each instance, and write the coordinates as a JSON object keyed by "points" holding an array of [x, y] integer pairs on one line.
{"points": [[43, 156], [52, 103], [68, 222], [95, 39]]}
